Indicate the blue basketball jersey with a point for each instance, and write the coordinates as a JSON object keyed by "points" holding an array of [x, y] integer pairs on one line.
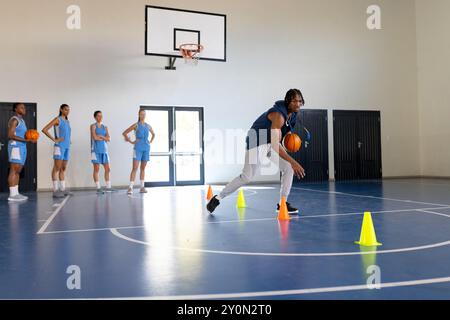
{"points": [[63, 130], [142, 137], [260, 132], [21, 129], [99, 146]]}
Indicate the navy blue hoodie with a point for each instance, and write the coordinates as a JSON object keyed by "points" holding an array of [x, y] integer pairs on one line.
{"points": [[260, 132]]}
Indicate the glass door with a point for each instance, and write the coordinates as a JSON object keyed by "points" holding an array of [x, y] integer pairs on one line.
{"points": [[159, 171], [189, 167], [176, 156]]}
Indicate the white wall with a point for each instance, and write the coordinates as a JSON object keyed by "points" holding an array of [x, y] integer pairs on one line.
{"points": [[322, 47], [433, 47]]}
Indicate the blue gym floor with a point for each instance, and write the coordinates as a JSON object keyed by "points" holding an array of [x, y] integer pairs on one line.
{"points": [[164, 245]]}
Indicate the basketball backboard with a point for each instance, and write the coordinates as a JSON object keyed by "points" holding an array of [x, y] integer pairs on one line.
{"points": [[168, 28]]}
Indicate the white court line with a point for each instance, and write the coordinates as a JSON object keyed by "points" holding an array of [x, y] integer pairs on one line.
{"points": [[371, 197], [326, 215], [90, 230], [278, 254], [250, 220], [284, 292], [435, 213], [246, 193], [420, 183], [50, 219]]}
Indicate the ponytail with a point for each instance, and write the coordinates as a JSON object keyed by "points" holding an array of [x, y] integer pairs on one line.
{"points": [[62, 107]]}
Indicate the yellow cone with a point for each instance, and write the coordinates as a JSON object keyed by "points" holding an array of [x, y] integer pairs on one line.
{"points": [[368, 257], [368, 237], [241, 213], [241, 200]]}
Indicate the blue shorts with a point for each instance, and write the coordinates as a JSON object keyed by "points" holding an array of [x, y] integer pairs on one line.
{"points": [[61, 153], [17, 154], [141, 155], [99, 158]]}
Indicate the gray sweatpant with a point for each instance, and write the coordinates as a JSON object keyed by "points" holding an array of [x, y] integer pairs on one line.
{"points": [[261, 160]]}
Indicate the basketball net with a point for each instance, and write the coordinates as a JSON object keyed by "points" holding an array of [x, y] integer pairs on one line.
{"points": [[191, 52]]}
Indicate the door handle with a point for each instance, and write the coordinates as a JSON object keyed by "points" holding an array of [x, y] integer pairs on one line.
{"points": [[1, 145], [359, 144]]}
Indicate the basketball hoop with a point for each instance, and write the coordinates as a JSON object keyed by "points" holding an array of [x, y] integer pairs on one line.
{"points": [[191, 52]]}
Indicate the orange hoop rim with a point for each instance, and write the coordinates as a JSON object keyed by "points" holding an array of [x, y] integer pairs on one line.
{"points": [[191, 50]]}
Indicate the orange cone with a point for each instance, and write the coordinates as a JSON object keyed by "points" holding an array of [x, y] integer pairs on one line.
{"points": [[283, 214], [284, 229], [210, 194]]}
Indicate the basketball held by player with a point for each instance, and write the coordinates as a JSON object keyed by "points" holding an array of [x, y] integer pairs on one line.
{"points": [[17, 150], [264, 141]]}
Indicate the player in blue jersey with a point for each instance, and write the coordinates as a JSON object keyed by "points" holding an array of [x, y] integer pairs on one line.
{"points": [[264, 143], [99, 151], [17, 151], [61, 151], [141, 152]]}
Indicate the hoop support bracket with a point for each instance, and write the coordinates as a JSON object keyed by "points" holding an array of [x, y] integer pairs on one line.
{"points": [[171, 65]]}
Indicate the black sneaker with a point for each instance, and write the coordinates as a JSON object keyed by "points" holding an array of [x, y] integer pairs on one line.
{"points": [[212, 204], [291, 210]]}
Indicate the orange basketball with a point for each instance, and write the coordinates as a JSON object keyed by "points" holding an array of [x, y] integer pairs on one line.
{"points": [[32, 135], [292, 142]]}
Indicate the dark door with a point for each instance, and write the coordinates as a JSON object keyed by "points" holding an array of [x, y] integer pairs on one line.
{"points": [[369, 145], [357, 145], [177, 152], [313, 155], [346, 145], [28, 177]]}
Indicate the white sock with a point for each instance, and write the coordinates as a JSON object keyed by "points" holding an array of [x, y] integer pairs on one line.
{"points": [[108, 184], [97, 184], [219, 197], [13, 191], [131, 184], [142, 183], [55, 186], [62, 185]]}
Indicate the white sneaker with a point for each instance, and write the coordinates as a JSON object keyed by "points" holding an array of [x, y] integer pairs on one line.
{"points": [[143, 190], [18, 198], [130, 191], [58, 194]]}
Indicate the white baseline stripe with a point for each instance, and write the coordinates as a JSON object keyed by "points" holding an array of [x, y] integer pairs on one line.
{"points": [[285, 292], [372, 197], [50, 219]]}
